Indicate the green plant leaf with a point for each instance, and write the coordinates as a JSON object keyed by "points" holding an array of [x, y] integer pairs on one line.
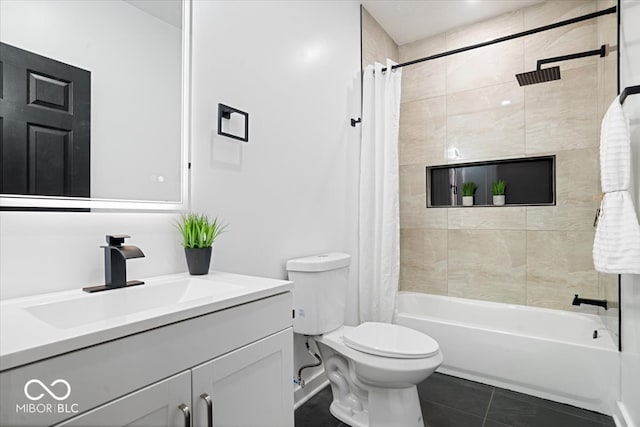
{"points": [[199, 230], [468, 188], [498, 187]]}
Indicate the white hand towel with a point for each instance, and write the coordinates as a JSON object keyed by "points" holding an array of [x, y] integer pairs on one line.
{"points": [[616, 248]]}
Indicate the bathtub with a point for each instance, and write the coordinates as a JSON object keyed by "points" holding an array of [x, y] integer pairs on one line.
{"points": [[546, 353]]}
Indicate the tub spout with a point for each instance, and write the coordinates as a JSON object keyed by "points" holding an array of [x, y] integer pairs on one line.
{"points": [[599, 302]]}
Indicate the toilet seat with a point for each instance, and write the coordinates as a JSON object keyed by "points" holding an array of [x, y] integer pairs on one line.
{"points": [[393, 341], [388, 371]]}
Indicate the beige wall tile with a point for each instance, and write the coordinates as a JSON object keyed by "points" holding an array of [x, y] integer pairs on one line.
{"points": [[487, 265], [499, 218], [413, 202], [608, 290], [608, 287], [377, 46], [527, 255], [485, 66], [559, 265], [488, 65], [412, 196], [479, 127], [422, 48], [412, 268], [577, 183], [423, 261], [579, 37], [548, 12], [577, 173], [606, 4], [425, 80], [574, 216], [608, 29], [489, 29], [422, 138], [607, 86], [562, 114]]}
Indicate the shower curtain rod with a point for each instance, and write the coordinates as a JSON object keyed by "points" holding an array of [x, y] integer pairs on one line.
{"points": [[506, 38]]}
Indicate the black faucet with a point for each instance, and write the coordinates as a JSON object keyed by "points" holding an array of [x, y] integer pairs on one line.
{"points": [[115, 267], [599, 302]]}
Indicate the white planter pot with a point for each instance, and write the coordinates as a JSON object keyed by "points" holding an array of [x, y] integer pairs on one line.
{"points": [[498, 200], [467, 200]]}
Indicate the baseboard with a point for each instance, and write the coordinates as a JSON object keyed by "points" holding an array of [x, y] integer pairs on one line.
{"points": [[312, 386], [621, 416]]}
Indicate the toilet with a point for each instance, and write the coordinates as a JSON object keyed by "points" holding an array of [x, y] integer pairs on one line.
{"points": [[373, 368]]}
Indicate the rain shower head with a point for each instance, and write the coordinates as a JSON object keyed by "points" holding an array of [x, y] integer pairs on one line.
{"points": [[553, 73], [539, 76]]}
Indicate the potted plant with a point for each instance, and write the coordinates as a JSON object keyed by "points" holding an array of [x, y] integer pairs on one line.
{"points": [[198, 234], [497, 189], [468, 189]]}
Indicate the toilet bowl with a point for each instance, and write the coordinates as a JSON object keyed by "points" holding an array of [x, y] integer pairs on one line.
{"points": [[373, 368]]}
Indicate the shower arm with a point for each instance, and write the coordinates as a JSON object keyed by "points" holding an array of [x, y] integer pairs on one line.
{"points": [[602, 52]]}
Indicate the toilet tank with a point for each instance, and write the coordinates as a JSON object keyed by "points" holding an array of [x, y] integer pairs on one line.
{"points": [[320, 292]]}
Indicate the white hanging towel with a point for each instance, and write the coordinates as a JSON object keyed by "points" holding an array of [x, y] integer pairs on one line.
{"points": [[616, 248]]}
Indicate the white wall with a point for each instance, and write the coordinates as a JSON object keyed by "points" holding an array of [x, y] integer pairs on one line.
{"points": [[135, 63], [47, 252], [292, 190], [630, 301]]}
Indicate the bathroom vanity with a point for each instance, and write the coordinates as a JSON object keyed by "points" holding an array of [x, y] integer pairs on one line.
{"points": [[177, 351]]}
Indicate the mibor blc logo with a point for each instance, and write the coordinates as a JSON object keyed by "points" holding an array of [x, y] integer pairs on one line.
{"points": [[47, 389], [35, 390]]}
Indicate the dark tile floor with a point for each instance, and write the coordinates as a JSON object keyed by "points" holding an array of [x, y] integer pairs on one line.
{"points": [[454, 402]]}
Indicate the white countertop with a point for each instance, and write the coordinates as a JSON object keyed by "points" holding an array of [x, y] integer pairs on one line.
{"points": [[42, 326]]}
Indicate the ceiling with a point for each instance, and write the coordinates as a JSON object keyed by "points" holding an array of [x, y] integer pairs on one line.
{"points": [[169, 11], [404, 20], [409, 20]]}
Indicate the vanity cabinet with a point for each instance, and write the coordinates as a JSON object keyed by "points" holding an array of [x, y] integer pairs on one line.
{"points": [[248, 387], [241, 358], [156, 405]]}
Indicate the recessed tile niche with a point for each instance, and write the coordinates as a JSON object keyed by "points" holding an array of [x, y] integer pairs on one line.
{"points": [[530, 181]]}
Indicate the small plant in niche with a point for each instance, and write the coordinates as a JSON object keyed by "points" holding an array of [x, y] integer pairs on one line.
{"points": [[468, 189], [199, 232], [497, 188]]}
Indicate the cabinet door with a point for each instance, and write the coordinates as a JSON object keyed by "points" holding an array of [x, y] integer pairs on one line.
{"points": [[251, 386], [154, 406]]}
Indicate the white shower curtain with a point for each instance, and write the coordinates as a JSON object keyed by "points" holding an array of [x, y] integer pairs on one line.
{"points": [[379, 231]]}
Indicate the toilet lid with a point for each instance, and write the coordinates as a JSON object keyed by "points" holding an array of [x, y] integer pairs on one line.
{"points": [[384, 339]]}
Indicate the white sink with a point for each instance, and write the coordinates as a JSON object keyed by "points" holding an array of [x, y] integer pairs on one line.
{"points": [[120, 303], [38, 327]]}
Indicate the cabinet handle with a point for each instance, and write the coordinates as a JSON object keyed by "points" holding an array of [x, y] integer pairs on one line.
{"points": [[209, 403], [187, 414]]}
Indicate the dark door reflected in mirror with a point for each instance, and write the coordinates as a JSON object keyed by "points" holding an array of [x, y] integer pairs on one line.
{"points": [[45, 125]]}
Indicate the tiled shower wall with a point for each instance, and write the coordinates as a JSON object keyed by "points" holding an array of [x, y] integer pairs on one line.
{"points": [[469, 107], [377, 46]]}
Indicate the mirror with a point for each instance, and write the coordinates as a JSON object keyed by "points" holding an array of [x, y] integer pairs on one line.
{"points": [[134, 52]]}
